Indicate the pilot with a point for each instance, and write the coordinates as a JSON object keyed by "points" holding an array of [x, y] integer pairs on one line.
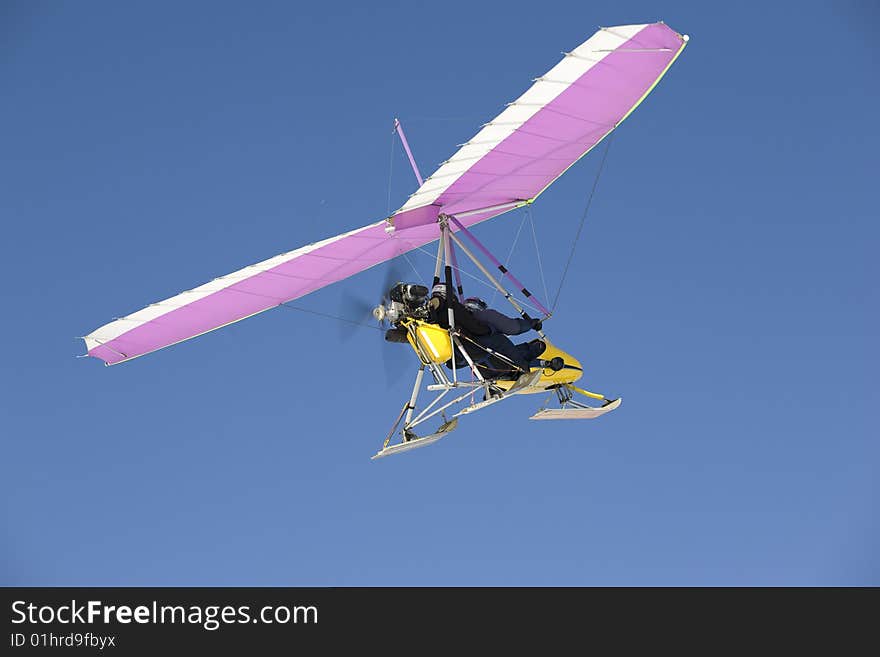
{"points": [[502, 326], [488, 330], [500, 323]]}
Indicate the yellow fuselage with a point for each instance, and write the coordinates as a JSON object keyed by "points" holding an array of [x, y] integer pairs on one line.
{"points": [[571, 371], [431, 343]]}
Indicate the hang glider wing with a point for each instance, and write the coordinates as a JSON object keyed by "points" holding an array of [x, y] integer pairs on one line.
{"points": [[563, 115], [558, 120], [251, 290]]}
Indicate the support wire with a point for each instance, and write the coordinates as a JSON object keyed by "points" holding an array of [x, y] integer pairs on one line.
{"points": [[338, 319], [583, 219], [537, 252], [510, 254]]}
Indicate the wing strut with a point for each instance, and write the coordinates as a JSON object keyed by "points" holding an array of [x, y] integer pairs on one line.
{"points": [[507, 295], [504, 271]]}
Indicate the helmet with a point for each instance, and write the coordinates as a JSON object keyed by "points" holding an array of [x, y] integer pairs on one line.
{"points": [[474, 304], [439, 290], [408, 293]]}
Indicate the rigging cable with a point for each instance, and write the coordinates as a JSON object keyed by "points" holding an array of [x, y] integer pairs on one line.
{"points": [[388, 211], [538, 252], [481, 281], [583, 219], [319, 314], [406, 257], [390, 171], [510, 255]]}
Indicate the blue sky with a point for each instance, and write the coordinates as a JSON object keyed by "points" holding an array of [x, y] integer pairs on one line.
{"points": [[724, 286]]}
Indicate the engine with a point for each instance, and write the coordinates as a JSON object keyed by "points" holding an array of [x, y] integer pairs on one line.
{"points": [[404, 300]]}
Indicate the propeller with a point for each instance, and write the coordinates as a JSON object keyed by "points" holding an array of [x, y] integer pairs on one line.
{"points": [[393, 275], [361, 310], [395, 359], [358, 310]]}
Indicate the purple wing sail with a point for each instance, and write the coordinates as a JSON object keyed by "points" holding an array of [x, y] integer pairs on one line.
{"points": [[563, 115], [553, 124]]}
